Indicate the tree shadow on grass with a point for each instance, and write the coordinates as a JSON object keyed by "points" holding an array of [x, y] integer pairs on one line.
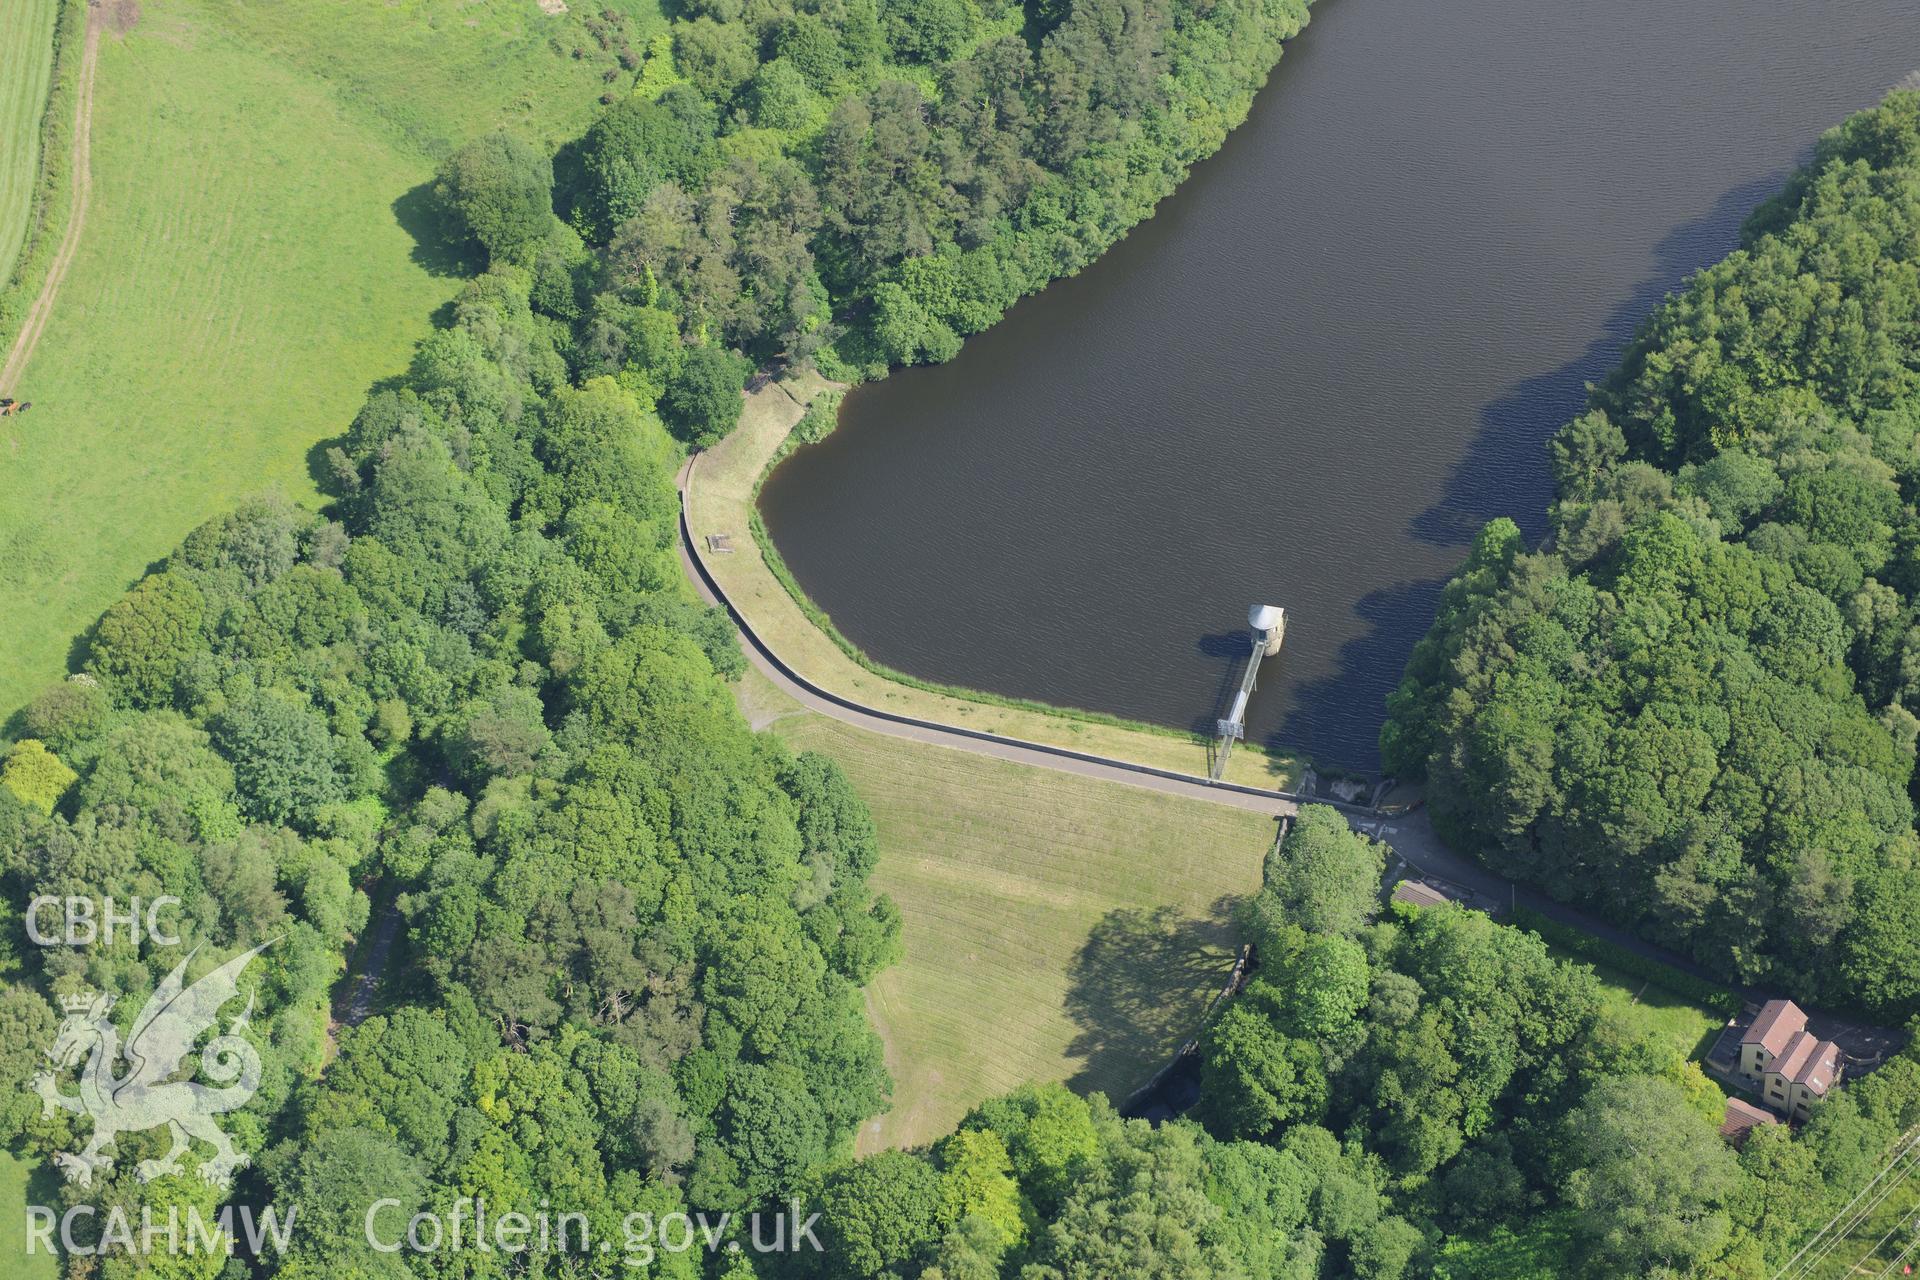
{"points": [[434, 247], [80, 648], [1137, 989], [46, 1189], [441, 254]]}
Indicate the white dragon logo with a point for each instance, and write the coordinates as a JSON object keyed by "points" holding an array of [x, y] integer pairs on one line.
{"points": [[145, 1098]]}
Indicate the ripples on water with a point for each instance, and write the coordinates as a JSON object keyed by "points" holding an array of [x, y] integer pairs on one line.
{"points": [[1328, 359]]}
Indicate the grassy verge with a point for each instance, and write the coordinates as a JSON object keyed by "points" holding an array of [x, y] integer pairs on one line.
{"points": [[727, 477], [777, 565], [1653, 1010], [1056, 927], [40, 48], [256, 254], [1628, 965]]}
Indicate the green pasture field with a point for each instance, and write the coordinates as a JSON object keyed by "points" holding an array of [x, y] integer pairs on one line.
{"points": [[257, 252], [26, 65], [17, 1179], [1056, 927], [1652, 1009], [439, 71]]}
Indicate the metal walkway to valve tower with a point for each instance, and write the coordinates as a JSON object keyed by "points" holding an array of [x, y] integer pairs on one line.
{"points": [[1269, 624]]}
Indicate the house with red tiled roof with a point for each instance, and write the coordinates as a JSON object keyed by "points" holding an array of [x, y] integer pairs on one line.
{"points": [[1743, 1118], [1789, 1066]]}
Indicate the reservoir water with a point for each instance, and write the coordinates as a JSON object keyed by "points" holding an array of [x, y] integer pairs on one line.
{"points": [[1327, 359]]}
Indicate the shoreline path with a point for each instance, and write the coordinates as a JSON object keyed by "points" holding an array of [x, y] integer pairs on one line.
{"points": [[1409, 835]]}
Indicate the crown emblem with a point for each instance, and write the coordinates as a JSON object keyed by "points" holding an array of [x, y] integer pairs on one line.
{"points": [[78, 1003]]}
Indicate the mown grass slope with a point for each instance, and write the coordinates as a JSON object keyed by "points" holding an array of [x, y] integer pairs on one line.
{"points": [[257, 252], [26, 62], [721, 498], [1056, 927]]}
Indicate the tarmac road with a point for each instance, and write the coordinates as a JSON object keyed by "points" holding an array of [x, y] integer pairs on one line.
{"points": [[1410, 835]]}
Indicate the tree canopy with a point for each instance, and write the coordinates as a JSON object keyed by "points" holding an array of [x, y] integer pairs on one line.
{"points": [[499, 189], [1693, 706], [628, 934], [629, 930], [862, 185]]}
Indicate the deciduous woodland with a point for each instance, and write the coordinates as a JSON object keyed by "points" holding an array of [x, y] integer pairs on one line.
{"points": [[1694, 707], [855, 185], [472, 707]]}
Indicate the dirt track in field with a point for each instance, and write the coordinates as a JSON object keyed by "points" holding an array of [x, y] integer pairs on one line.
{"points": [[41, 311]]}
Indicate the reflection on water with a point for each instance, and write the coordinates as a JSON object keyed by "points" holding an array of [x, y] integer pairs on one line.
{"points": [[1327, 360]]}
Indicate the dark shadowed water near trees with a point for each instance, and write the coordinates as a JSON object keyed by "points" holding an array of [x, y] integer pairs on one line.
{"points": [[1326, 361]]}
